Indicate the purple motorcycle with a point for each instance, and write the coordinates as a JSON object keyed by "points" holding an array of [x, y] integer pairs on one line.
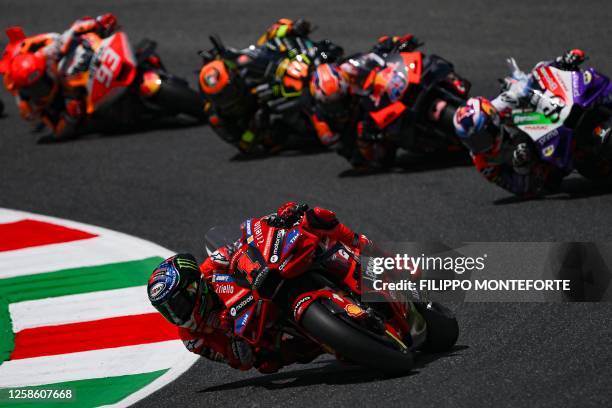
{"points": [[568, 119]]}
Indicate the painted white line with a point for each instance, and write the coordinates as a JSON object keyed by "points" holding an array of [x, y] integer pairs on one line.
{"points": [[80, 308], [14, 215], [76, 254], [142, 358]]}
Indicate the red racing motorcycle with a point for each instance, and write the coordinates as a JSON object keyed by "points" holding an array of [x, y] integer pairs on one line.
{"points": [[409, 98], [122, 84], [289, 282]]}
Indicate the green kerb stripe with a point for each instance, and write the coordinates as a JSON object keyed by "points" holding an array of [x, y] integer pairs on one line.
{"points": [[67, 282], [87, 393]]}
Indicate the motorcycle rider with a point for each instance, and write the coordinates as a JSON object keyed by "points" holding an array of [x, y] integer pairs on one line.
{"points": [[269, 74], [234, 113], [38, 78], [480, 126], [338, 111], [185, 295]]}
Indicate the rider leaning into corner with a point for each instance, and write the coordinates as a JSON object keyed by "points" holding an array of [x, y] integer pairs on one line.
{"points": [[481, 126], [187, 298], [336, 90], [232, 116], [36, 78]]}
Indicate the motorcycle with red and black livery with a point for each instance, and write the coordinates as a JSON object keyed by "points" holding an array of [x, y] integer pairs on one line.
{"points": [[285, 281], [123, 84], [257, 97], [408, 99]]}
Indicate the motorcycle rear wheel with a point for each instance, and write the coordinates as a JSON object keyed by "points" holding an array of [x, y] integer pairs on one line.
{"points": [[176, 97], [354, 343]]}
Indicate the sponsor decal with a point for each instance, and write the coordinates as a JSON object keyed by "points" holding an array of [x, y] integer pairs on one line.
{"points": [[276, 248], [248, 227], [266, 250], [290, 241], [241, 323], [157, 289], [222, 278], [298, 306], [186, 263], [258, 232], [241, 304], [548, 150], [226, 288], [285, 262], [587, 77], [354, 310], [548, 137], [536, 127]]}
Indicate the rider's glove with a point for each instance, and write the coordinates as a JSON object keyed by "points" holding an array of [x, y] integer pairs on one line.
{"points": [[290, 212], [521, 159], [364, 242], [571, 59], [242, 353]]}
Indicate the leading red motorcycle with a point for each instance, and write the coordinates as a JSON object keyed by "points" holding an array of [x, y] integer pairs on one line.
{"points": [[288, 281]]}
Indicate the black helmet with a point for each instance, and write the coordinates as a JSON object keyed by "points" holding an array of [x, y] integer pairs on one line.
{"points": [[175, 287]]}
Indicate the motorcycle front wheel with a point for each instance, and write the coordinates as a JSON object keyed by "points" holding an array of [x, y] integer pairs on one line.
{"points": [[356, 343]]}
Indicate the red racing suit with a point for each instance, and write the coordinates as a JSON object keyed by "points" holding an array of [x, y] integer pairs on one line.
{"points": [[212, 336], [66, 109]]}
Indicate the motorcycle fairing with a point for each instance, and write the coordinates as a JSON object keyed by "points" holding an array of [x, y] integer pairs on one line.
{"points": [[546, 127], [588, 85], [112, 70], [345, 305]]}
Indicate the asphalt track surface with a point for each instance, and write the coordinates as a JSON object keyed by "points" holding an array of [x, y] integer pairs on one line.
{"points": [[170, 185]]}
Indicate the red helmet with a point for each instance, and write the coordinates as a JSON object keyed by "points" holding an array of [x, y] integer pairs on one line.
{"points": [[27, 69], [328, 83], [30, 79]]}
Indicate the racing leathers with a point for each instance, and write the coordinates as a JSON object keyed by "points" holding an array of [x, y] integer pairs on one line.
{"points": [[516, 169], [214, 338], [263, 109], [67, 56]]}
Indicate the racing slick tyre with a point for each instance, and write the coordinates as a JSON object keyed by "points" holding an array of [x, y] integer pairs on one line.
{"points": [[354, 342], [176, 97], [1, 108], [442, 327]]}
